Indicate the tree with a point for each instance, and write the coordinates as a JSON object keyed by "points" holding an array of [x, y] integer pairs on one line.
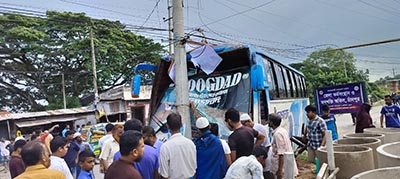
{"points": [[35, 52], [328, 68]]}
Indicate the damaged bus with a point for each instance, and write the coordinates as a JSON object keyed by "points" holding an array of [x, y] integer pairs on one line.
{"points": [[223, 77]]}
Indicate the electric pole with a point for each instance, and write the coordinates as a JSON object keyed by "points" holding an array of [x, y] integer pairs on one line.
{"points": [[169, 27], [181, 77], [96, 92], [63, 90], [394, 74]]}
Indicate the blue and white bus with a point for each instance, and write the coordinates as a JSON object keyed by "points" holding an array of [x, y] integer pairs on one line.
{"points": [[246, 79]]}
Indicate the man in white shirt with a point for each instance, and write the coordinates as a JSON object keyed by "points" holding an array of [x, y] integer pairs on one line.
{"points": [[280, 144], [3, 149], [4, 152], [249, 167], [110, 147], [109, 127], [59, 147], [178, 154]]}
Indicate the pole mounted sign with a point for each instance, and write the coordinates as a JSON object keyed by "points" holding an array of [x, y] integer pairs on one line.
{"points": [[345, 98]]}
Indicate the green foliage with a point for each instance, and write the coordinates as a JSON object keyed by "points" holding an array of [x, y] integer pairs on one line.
{"points": [[34, 52], [328, 68], [376, 92], [58, 103]]}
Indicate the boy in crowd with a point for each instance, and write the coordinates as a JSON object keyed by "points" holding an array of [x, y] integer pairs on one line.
{"points": [[315, 133], [330, 121], [59, 148], [16, 165], [86, 163]]}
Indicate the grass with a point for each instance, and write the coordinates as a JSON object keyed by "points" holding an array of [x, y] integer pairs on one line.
{"points": [[303, 156]]}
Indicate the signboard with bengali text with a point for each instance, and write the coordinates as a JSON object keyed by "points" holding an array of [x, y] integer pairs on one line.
{"points": [[345, 98]]}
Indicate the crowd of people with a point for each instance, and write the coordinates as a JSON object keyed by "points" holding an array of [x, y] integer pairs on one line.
{"points": [[48, 156], [132, 151]]}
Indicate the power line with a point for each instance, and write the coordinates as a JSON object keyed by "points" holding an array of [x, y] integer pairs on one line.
{"points": [[91, 14], [296, 20], [42, 72], [367, 44], [262, 22], [375, 56], [241, 12], [379, 8], [379, 62], [354, 11], [148, 17]]}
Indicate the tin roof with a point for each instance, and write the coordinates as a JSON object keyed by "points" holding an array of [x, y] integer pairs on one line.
{"points": [[57, 112]]}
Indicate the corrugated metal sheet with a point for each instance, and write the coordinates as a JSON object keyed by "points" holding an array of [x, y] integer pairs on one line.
{"points": [[57, 112], [31, 123]]}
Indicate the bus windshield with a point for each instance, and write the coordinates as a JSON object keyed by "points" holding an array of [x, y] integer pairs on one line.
{"points": [[245, 79]]}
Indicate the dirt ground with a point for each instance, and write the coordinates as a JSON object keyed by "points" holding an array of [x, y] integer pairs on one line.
{"points": [[306, 169]]}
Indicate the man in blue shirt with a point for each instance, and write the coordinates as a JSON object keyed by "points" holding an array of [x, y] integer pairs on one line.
{"points": [[391, 113], [211, 162], [149, 137], [64, 132], [330, 121], [148, 166], [72, 153]]}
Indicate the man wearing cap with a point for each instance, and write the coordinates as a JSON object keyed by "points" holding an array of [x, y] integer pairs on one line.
{"points": [[72, 153], [246, 120], [241, 141], [211, 161]]}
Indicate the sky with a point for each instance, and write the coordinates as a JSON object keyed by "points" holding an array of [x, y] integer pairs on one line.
{"points": [[289, 30]]}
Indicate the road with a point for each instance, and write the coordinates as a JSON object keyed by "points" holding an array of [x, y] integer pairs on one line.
{"points": [[343, 122]]}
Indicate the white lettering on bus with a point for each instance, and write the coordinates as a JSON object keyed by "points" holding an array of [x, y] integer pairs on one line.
{"points": [[215, 83]]}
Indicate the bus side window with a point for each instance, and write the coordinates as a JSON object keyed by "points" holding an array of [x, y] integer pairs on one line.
{"points": [[304, 86], [281, 82], [300, 85], [273, 86], [294, 86], [264, 107], [289, 88]]}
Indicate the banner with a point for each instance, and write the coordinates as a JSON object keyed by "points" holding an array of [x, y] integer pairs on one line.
{"points": [[211, 95], [343, 98]]}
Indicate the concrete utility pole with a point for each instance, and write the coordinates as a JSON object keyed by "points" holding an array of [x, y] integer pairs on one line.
{"points": [[63, 90], [181, 77], [330, 152], [96, 92], [394, 74], [169, 27]]}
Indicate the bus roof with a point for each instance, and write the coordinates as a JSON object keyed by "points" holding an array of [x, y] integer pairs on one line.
{"points": [[253, 50]]}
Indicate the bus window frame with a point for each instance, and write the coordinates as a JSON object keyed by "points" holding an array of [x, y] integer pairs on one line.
{"points": [[280, 80]]}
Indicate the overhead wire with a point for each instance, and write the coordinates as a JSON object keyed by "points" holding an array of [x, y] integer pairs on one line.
{"points": [[148, 17], [239, 13], [270, 25], [355, 11], [296, 20], [235, 40], [138, 17], [379, 8]]}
